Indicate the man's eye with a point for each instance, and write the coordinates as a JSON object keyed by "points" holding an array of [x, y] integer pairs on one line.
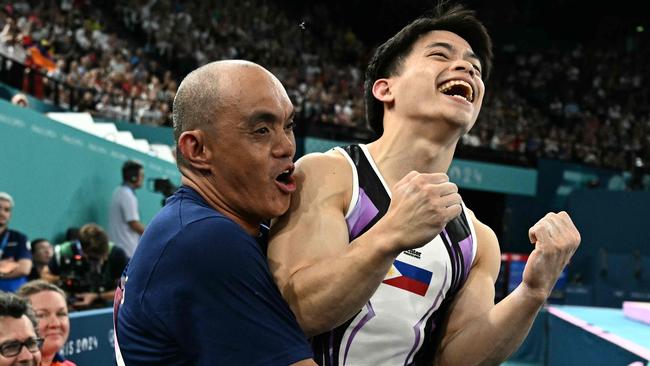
{"points": [[291, 126], [11, 347], [262, 131], [439, 54]]}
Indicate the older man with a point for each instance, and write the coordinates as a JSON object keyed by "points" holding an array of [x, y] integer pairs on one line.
{"points": [[198, 290], [15, 254], [19, 344]]}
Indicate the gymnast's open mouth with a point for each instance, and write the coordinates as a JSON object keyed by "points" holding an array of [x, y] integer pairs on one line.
{"points": [[458, 88]]}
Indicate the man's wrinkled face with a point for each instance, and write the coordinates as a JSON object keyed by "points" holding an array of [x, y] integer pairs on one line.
{"points": [[253, 148]]}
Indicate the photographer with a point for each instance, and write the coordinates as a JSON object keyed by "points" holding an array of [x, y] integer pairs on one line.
{"points": [[89, 268], [164, 186]]}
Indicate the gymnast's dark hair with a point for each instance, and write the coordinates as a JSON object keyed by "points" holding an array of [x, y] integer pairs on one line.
{"points": [[388, 57]]}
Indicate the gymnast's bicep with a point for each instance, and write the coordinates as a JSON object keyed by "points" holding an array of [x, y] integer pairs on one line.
{"points": [[314, 227]]}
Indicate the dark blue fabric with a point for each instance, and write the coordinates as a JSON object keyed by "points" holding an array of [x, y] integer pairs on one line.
{"points": [[198, 291], [16, 248]]}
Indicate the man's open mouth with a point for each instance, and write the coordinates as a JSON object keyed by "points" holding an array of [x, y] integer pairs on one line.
{"points": [[285, 177], [458, 88]]}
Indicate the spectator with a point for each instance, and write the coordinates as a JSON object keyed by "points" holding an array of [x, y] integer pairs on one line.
{"points": [[89, 269], [42, 253], [124, 223], [51, 309], [19, 343], [15, 256], [20, 99]]}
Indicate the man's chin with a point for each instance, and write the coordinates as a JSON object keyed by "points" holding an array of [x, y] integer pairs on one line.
{"points": [[279, 209]]}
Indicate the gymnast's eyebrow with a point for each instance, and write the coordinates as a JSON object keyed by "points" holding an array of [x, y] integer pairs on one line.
{"points": [[468, 54]]}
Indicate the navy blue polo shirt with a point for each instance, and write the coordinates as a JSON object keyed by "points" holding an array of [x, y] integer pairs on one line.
{"points": [[13, 245], [198, 291]]}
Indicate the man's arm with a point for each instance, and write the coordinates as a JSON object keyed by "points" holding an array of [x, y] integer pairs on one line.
{"points": [[85, 299], [136, 226], [46, 275], [325, 278], [22, 261], [478, 332], [21, 268], [7, 266]]}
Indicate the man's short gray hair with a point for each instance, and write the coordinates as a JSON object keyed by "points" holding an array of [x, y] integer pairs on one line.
{"points": [[7, 197]]}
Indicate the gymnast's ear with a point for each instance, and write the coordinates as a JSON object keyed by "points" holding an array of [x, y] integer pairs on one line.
{"points": [[381, 89]]}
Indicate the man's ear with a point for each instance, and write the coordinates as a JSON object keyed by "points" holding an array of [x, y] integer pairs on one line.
{"points": [[192, 146], [381, 90]]}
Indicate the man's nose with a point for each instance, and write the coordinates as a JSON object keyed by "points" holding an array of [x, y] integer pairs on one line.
{"points": [[285, 146], [463, 65], [25, 354]]}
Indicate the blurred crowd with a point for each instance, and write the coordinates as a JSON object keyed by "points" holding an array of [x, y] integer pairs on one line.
{"points": [[73, 43], [584, 103]]}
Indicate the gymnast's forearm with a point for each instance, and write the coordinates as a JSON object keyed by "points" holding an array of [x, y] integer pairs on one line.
{"points": [[493, 337]]}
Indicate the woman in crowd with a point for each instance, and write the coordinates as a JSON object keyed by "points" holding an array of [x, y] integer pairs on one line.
{"points": [[51, 309]]}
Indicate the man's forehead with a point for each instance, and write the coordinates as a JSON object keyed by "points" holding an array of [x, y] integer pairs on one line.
{"points": [[443, 36], [42, 244], [15, 328], [263, 92]]}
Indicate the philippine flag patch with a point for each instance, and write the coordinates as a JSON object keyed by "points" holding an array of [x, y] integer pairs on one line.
{"points": [[408, 277]]}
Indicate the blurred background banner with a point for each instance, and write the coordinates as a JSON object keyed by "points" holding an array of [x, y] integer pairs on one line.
{"points": [[62, 177], [91, 338]]}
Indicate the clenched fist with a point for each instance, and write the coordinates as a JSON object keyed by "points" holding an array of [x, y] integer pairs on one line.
{"points": [[556, 239], [421, 206]]}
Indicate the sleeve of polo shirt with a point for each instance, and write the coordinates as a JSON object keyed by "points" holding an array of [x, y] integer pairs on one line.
{"points": [[23, 251], [225, 308]]}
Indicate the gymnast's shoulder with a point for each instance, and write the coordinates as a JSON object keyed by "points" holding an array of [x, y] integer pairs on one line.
{"points": [[326, 175]]}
